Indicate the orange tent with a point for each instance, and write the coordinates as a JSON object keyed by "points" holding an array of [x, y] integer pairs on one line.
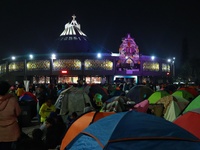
{"points": [[80, 124]]}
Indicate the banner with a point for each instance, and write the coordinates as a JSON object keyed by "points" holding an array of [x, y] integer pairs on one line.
{"points": [[26, 85]]}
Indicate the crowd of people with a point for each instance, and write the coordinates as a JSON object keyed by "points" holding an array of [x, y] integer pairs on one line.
{"points": [[52, 126]]}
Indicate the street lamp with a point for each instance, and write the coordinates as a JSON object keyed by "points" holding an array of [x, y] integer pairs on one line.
{"points": [[13, 58], [152, 57], [99, 55], [31, 56], [53, 56], [169, 64], [172, 65]]}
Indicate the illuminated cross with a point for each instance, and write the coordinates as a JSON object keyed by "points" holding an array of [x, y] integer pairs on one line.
{"points": [[73, 17]]}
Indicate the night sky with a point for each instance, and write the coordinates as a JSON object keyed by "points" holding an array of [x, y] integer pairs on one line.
{"points": [[157, 26]]}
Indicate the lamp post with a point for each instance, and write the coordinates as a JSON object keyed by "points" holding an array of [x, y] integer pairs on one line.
{"points": [[25, 66], [173, 65], [25, 69], [26, 81], [53, 56]]}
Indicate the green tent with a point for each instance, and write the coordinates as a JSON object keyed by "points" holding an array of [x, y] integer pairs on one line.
{"points": [[157, 95], [184, 94], [173, 106], [193, 105]]}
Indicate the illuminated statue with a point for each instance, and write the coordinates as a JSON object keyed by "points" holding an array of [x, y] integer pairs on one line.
{"points": [[129, 51]]}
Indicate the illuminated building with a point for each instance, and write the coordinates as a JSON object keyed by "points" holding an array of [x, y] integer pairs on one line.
{"points": [[76, 58]]}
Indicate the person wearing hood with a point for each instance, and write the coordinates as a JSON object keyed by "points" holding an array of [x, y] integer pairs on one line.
{"points": [[9, 112], [98, 101]]}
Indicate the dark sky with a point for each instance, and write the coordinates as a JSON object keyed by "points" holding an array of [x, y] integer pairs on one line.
{"points": [[158, 26]]}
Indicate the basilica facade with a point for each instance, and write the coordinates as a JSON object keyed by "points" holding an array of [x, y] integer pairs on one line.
{"points": [[76, 58]]}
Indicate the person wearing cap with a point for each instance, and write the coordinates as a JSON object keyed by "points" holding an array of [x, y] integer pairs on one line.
{"points": [[98, 101]]}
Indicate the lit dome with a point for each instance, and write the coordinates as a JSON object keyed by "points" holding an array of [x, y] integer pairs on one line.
{"points": [[72, 39]]}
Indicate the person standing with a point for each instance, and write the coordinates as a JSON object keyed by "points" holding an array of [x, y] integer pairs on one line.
{"points": [[52, 92], [41, 95], [60, 89], [20, 91], [9, 112]]}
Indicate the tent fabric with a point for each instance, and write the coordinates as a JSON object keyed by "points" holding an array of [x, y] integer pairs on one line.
{"points": [[134, 130], [191, 90], [184, 94], [115, 104], [192, 105], [142, 106], [139, 93], [171, 88], [153, 98], [58, 102], [71, 100], [116, 92], [173, 106], [28, 96], [156, 109], [80, 124], [190, 121], [92, 89], [29, 101]]}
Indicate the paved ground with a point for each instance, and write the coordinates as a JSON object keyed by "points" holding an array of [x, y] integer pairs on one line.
{"points": [[33, 124]]}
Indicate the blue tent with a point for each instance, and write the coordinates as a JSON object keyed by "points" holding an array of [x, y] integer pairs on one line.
{"points": [[133, 131]]}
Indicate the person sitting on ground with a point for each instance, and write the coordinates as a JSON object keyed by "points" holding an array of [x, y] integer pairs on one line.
{"points": [[87, 108], [37, 141], [52, 138], [60, 125], [46, 109], [71, 119], [33, 143]]}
